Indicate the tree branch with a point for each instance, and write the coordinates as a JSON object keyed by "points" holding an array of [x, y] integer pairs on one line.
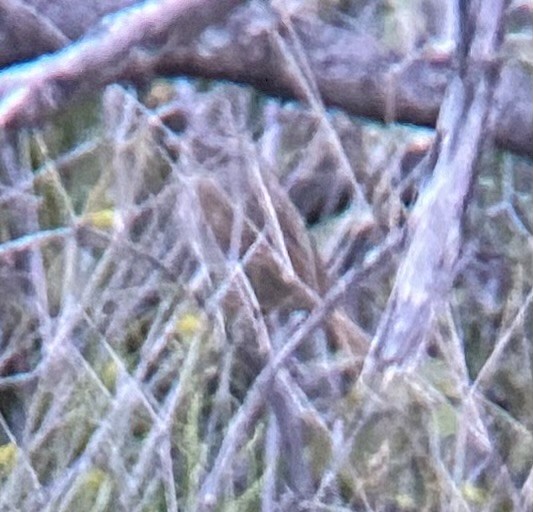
{"points": [[428, 269], [352, 71], [122, 47]]}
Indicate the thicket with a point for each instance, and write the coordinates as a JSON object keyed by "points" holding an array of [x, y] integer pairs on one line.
{"points": [[243, 296]]}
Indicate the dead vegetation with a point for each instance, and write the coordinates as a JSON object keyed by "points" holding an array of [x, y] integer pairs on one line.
{"points": [[216, 300]]}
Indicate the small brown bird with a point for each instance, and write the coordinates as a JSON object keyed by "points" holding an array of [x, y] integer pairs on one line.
{"points": [[286, 275]]}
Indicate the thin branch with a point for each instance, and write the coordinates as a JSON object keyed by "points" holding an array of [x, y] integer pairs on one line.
{"points": [[256, 396]]}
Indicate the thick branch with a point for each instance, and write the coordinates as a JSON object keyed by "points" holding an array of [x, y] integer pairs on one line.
{"points": [[26, 33], [352, 71], [428, 269], [123, 47]]}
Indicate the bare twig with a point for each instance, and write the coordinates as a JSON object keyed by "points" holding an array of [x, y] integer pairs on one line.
{"points": [[256, 395]]}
